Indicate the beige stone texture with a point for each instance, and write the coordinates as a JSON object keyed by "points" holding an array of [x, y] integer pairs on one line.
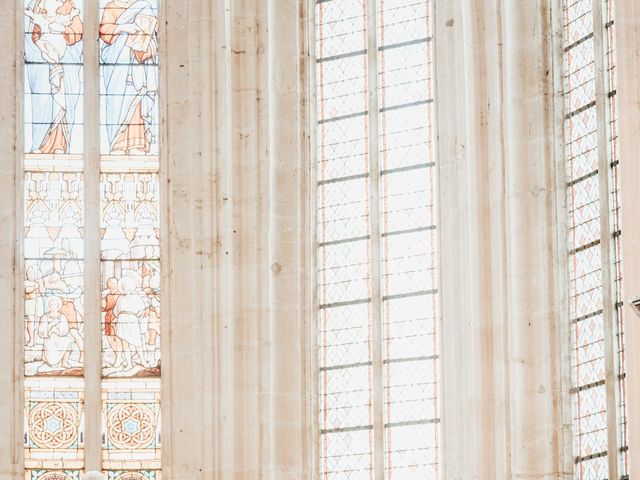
{"points": [[11, 307], [236, 241], [501, 287], [628, 36]]}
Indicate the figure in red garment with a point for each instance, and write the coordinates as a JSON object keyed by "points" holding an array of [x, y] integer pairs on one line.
{"points": [[109, 301]]}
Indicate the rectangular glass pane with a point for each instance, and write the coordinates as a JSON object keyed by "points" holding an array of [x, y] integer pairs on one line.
{"points": [[129, 81], [130, 238], [54, 215], [54, 317], [131, 318], [412, 451], [343, 210], [53, 84], [347, 455], [53, 239], [54, 425], [584, 176], [585, 262], [131, 427], [409, 241], [130, 220], [342, 148]]}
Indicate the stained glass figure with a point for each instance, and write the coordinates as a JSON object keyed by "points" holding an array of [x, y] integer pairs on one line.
{"points": [[53, 317], [131, 414], [128, 55], [53, 86], [131, 318]]}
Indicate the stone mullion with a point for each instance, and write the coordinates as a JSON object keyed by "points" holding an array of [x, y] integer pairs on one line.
{"points": [[628, 98], [11, 261], [375, 241], [92, 315], [606, 237]]}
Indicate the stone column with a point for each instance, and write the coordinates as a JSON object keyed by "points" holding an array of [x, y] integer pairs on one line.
{"points": [[235, 251], [503, 336], [11, 306], [628, 53]]}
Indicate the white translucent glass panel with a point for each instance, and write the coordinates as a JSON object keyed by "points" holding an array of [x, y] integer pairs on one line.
{"points": [[342, 152], [341, 78], [54, 426], [582, 129], [405, 247], [344, 277], [53, 84], [409, 249], [346, 368], [581, 150]]}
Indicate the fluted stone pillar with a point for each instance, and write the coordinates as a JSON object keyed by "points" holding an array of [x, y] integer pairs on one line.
{"points": [[502, 291], [10, 214], [235, 402]]}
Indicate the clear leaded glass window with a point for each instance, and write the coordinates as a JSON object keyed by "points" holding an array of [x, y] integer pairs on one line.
{"points": [[595, 235], [91, 239], [376, 220]]}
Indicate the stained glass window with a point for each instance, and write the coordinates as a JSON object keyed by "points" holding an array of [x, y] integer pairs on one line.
{"points": [[591, 155], [130, 249], [58, 216], [378, 308], [53, 240]]}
